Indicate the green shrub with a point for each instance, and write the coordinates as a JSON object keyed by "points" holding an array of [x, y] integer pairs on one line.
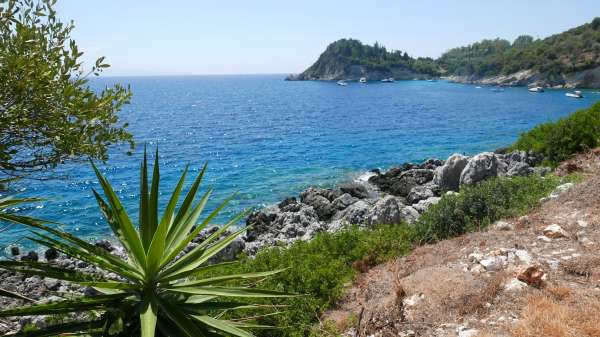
{"points": [[479, 205], [321, 268], [557, 141]]}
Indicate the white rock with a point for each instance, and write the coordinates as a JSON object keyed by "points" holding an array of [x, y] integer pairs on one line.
{"points": [[560, 190], [544, 238], [504, 226], [412, 300], [475, 257], [493, 263], [468, 333], [514, 285], [554, 231], [523, 255], [582, 223]]}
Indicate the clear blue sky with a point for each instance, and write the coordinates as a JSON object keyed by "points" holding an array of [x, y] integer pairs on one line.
{"points": [[159, 37]]}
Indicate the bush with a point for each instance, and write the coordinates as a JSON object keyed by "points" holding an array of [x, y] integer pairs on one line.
{"points": [[479, 205], [557, 141], [321, 269]]}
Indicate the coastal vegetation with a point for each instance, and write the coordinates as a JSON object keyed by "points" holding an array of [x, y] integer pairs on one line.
{"points": [[321, 268], [559, 140], [569, 58], [351, 58], [153, 291], [574, 50], [48, 113]]}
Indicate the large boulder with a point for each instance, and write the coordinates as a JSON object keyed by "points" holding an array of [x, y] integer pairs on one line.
{"points": [[421, 192], [448, 175], [355, 214], [409, 179], [390, 210], [321, 205], [480, 167], [356, 190], [259, 222], [519, 169], [343, 201], [423, 205]]}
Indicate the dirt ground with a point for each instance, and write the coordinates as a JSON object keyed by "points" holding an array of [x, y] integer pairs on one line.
{"points": [[517, 278]]}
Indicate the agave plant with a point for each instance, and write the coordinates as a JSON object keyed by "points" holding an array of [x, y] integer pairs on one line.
{"points": [[151, 292]]}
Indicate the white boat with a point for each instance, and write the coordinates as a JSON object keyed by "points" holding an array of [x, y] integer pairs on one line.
{"points": [[536, 89], [363, 80], [575, 94], [342, 83], [388, 80], [477, 87]]}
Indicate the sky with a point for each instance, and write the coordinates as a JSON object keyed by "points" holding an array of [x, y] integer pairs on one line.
{"points": [[194, 37]]}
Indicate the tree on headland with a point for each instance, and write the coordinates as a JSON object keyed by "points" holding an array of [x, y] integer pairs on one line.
{"points": [[48, 112]]}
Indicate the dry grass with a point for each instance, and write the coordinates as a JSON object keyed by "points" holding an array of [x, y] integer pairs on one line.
{"points": [[476, 303], [584, 266], [545, 316]]}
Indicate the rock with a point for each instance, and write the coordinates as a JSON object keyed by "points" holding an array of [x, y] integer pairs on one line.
{"points": [[287, 201], [321, 205], [356, 190], [504, 226], [409, 179], [390, 210], [15, 251], [419, 193], [327, 193], [554, 231], [519, 169], [51, 254], [468, 333], [532, 275], [560, 190], [479, 168], [104, 244], [448, 175], [514, 285], [31, 256], [259, 222], [343, 201], [355, 214], [523, 256], [423, 205], [493, 263], [230, 252], [542, 171], [431, 164]]}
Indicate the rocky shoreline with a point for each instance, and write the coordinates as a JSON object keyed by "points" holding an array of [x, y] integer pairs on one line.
{"points": [[398, 195], [589, 78]]}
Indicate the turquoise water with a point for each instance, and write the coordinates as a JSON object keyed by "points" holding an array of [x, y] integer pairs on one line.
{"points": [[269, 139]]}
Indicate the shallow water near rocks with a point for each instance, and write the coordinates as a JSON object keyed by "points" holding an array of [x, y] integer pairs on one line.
{"points": [[269, 139]]}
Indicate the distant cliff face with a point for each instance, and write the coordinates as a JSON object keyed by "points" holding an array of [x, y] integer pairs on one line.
{"points": [[349, 59]]}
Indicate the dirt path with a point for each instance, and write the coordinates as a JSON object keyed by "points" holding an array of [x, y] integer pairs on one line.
{"points": [[518, 278]]}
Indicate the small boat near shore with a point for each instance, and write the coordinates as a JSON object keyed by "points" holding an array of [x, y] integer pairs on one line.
{"points": [[574, 94], [388, 80], [536, 89], [363, 80], [342, 83]]}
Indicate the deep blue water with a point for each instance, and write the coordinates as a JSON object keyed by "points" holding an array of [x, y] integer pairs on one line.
{"points": [[269, 139]]}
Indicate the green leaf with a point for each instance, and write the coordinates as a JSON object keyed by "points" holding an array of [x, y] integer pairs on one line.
{"points": [[65, 329], [148, 317], [222, 326], [75, 305], [226, 278], [232, 292], [144, 202], [6, 293]]}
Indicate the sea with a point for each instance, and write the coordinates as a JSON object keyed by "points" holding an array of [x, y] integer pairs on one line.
{"points": [[266, 139]]}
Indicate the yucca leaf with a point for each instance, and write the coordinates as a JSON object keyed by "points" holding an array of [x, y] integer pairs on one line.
{"points": [[83, 255], [232, 292], [153, 207], [125, 229], [204, 308], [222, 325], [144, 202], [11, 294], [169, 213], [44, 270], [74, 305], [115, 264], [157, 249], [148, 317], [197, 257], [225, 278], [180, 319], [187, 203], [64, 329]]}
